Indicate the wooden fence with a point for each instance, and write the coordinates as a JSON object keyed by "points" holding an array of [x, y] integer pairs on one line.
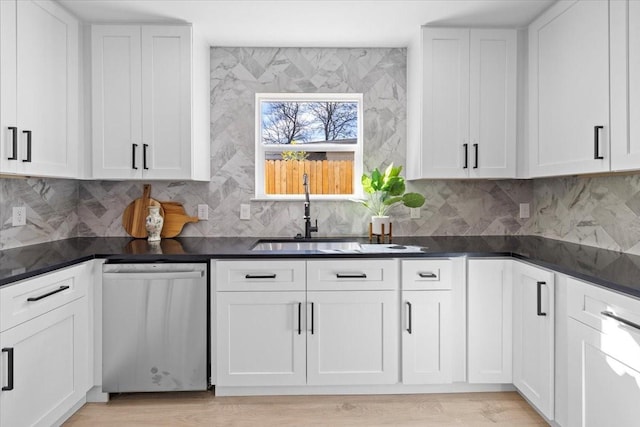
{"points": [[325, 176]]}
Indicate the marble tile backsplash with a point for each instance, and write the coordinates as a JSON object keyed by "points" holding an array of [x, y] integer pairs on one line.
{"points": [[598, 211], [52, 210]]}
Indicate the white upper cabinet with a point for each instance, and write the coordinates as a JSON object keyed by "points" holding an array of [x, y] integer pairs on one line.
{"points": [[39, 89], [569, 89], [141, 102], [625, 85], [469, 103]]}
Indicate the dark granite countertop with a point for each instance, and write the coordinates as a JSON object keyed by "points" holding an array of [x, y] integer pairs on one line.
{"points": [[615, 270]]}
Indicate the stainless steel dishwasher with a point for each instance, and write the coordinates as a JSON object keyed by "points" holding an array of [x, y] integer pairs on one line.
{"points": [[154, 327]]}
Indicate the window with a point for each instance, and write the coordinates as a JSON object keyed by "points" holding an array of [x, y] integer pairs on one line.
{"points": [[317, 134]]}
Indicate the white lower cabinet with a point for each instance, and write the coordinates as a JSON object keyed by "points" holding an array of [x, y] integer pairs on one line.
{"points": [[44, 361], [489, 296], [264, 338], [533, 335], [271, 331], [352, 338], [427, 337], [604, 357]]}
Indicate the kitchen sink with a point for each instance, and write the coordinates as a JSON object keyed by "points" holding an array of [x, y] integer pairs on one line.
{"points": [[305, 245]]}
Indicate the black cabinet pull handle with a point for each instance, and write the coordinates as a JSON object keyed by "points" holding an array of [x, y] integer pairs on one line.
{"points": [[621, 319], [596, 142], [28, 159], [299, 318], [540, 312], [48, 294], [134, 148], [144, 156], [465, 148], [312, 331], [475, 148], [9, 386], [14, 143], [428, 275], [260, 276], [351, 276], [409, 310]]}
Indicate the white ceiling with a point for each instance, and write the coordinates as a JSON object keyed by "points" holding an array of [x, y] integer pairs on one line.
{"points": [[319, 23]]}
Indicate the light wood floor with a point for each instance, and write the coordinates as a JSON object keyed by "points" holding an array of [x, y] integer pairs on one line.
{"points": [[204, 409]]}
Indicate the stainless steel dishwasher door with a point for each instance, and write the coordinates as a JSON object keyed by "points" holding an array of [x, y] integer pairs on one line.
{"points": [[154, 327]]}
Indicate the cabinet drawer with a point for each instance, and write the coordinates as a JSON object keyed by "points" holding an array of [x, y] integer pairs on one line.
{"points": [[426, 274], [602, 309], [344, 275], [271, 275], [30, 298]]}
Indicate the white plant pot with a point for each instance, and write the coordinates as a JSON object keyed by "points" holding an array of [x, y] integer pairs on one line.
{"points": [[378, 221]]}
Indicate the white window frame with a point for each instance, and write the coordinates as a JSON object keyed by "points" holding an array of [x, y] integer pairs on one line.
{"points": [[262, 149]]}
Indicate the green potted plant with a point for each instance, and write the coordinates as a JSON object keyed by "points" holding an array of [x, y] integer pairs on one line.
{"points": [[385, 191]]}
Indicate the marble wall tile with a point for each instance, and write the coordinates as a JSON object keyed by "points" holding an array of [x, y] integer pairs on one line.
{"points": [[51, 210], [597, 211]]}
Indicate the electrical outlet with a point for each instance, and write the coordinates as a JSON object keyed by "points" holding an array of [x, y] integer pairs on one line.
{"points": [[203, 212], [415, 213], [245, 211], [19, 216], [524, 210]]}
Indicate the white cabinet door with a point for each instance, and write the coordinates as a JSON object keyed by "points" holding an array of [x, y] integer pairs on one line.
{"points": [[39, 89], [604, 376], [8, 88], [469, 103], [492, 136], [569, 89], [166, 102], [116, 97], [533, 335], [352, 337], [445, 104], [489, 321], [427, 337], [49, 373], [625, 85], [261, 338], [141, 102]]}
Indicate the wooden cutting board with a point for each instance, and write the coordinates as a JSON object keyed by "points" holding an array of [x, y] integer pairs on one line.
{"points": [[175, 218], [135, 214]]}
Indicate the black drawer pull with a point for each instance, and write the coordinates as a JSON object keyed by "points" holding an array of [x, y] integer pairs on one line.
{"points": [[539, 302], [428, 275], [351, 275], [299, 318], [9, 386], [260, 276], [621, 320], [14, 143], [28, 159], [312, 319], [409, 329], [48, 294]]}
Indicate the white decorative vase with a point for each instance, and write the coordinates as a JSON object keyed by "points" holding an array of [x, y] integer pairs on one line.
{"points": [[154, 224], [378, 221]]}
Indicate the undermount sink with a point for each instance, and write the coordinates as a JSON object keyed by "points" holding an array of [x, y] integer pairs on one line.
{"points": [[304, 245]]}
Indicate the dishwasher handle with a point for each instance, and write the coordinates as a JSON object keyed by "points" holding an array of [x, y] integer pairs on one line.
{"points": [[167, 275]]}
